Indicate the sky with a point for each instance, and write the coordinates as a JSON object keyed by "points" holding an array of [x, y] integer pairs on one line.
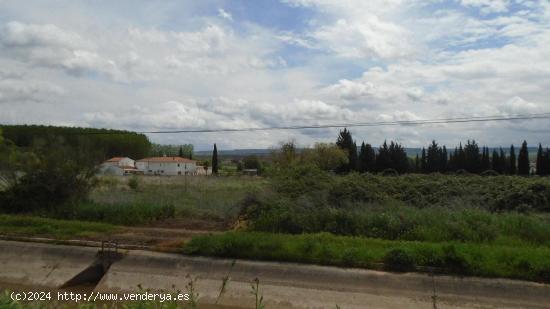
{"points": [[169, 65]]}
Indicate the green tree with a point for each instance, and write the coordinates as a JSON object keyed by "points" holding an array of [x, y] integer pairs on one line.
{"points": [[215, 160], [180, 153], [472, 158], [495, 161], [345, 142], [252, 162], [327, 157], [523, 160], [53, 177], [367, 158], [512, 170], [284, 155], [542, 161], [485, 159]]}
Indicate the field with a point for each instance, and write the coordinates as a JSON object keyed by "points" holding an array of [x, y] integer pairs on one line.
{"points": [[493, 226], [213, 200]]}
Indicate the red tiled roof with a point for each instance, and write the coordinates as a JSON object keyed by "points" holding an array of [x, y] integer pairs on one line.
{"points": [[167, 159], [115, 159]]}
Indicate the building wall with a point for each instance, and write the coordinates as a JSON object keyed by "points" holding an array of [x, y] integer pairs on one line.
{"points": [[166, 168], [126, 162]]}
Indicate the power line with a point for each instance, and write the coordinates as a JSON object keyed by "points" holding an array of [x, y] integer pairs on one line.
{"points": [[367, 124]]}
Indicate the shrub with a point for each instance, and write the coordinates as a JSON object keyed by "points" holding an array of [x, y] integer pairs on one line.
{"points": [[399, 260], [489, 173], [134, 183], [389, 172]]}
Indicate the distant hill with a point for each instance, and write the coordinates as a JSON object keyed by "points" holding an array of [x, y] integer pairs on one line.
{"points": [[235, 152]]}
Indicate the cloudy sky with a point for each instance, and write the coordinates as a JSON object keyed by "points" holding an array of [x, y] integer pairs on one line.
{"points": [[166, 65]]}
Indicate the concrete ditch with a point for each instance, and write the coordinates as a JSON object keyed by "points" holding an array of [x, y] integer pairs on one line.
{"points": [[283, 285]]}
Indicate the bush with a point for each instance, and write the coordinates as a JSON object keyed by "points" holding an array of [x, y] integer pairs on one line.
{"points": [[134, 183], [57, 177], [489, 173], [399, 260], [389, 172]]}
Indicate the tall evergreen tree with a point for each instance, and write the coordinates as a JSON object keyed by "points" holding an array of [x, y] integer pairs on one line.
{"points": [[433, 158], [215, 160], [346, 142], [180, 153], [523, 160], [540, 161], [472, 158], [502, 164], [383, 160], [444, 159], [512, 170], [398, 157], [485, 159], [546, 163], [495, 161], [416, 164], [459, 158], [367, 158]]}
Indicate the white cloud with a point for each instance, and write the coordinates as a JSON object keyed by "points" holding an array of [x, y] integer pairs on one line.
{"points": [[352, 61], [224, 14], [488, 6]]}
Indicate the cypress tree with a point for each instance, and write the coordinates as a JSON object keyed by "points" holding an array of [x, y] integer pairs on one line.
{"points": [[523, 160], [540, 161], [512, 167], [444, 159], [546, 163], [361, 159], [180, 154], [502, 162], [472, 158], [383, 160], [485, 160], [495, 161], [215, 160], [433, 158], [367, 158]]}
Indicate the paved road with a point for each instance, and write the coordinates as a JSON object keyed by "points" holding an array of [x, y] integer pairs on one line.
{"points": [[283, 285]]}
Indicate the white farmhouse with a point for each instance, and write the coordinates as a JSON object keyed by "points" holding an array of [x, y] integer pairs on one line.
{"points": [[118, 166], [169, 166]]}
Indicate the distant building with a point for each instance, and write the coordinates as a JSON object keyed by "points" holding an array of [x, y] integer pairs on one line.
{"points": [[169, 166], [119, 166]]}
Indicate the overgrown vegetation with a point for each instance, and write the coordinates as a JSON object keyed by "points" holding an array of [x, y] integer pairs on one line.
{"points": [[62, 229], [159, 198], [49, 178], [526, 262]]}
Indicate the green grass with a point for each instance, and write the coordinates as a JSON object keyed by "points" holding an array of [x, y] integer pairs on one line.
{"points": [[60, 229], [434, 224], [192, 196], [525, 262]]}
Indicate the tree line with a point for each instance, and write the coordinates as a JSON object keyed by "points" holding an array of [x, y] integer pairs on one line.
{"points": [[438, 159], [108, 143]]}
